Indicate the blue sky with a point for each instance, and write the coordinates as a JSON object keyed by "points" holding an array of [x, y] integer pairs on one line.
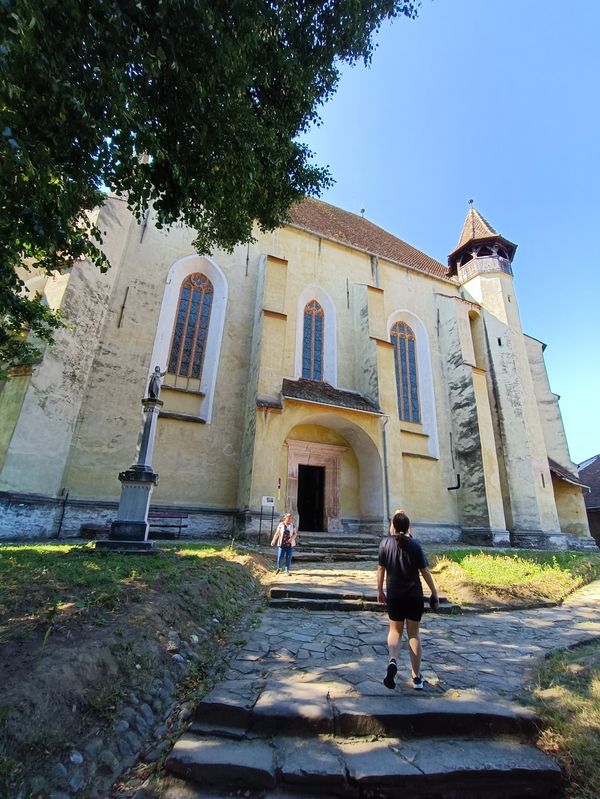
{"points": [[499, 101]]}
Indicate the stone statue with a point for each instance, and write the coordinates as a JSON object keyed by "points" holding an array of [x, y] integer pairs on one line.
{"points": [[154, 384]]}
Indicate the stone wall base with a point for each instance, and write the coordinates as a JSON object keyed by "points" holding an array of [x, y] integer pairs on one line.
{"points": [[31, 516], [583, 543], [431, 533], [537, 539], [485, 537]]}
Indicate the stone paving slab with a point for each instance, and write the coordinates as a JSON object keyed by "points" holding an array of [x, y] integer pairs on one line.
{"points": [[494, 652]]}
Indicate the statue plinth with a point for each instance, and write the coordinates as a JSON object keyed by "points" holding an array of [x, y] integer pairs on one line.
{"points": [[129, 531]]}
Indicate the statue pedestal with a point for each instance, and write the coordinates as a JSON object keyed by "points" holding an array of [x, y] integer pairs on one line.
{"points": [[129, 531]]}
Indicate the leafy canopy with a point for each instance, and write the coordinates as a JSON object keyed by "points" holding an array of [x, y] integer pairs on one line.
{"points": [[191, 106]]}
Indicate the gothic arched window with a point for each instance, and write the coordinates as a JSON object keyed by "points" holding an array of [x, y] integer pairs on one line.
{"points": [[312, 341], [191, 326], [405, 359]]}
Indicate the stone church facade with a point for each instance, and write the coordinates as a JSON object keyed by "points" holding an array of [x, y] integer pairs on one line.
{"points": [[329, 365]]}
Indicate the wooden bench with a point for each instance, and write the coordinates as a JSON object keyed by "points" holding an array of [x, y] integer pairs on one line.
{"points": [[166, 523]]}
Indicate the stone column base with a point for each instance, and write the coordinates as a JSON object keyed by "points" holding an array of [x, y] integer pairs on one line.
{"points": [[485, 537], [537, 539]]}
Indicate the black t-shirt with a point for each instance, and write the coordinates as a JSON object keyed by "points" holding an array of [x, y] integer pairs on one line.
{"points": [[402, 566]]}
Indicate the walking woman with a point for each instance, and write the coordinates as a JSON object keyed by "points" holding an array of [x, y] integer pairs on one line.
{"points": [[284, 539], [403, 562]]}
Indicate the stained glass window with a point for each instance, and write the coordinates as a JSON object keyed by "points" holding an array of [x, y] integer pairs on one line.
{"points": [[407, 385], [312, 341], [191, 326]]}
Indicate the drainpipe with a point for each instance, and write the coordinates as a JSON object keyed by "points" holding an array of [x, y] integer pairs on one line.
{"points": [[386, 476]]}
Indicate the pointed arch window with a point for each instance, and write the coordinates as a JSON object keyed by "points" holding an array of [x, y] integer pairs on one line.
{"points": [[407, 385], [191, 326], [312, 341]]}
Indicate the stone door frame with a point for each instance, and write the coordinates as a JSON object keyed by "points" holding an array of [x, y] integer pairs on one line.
{"points": [[311, 453]]}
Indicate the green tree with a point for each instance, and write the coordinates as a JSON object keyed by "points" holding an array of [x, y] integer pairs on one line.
{"points": [[192, 107]]}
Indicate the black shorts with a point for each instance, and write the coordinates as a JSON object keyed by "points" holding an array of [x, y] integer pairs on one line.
{"points": [[401, 608]]}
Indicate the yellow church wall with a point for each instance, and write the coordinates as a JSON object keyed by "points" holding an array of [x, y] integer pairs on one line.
{"points": [[532, 503], [549, 409], [405, 290], [272, 355], [57, 388], [570, 505], [493, 488], [12, 394], [275, 285], [377, 319], [197, 463], [331, 267], [425, 498]]}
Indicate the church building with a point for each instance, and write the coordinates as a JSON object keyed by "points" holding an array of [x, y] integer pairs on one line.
{"points": [[328, 365]]}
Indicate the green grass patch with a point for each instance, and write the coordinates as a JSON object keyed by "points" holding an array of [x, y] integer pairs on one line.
{"points": [[42, 584], [568, 700], [518, 573]]}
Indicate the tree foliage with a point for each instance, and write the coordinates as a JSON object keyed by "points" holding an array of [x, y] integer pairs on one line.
{"points": [[214, 94]]}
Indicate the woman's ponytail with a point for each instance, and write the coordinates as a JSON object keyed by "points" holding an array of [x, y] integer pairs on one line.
{"points": [[401, 525]]}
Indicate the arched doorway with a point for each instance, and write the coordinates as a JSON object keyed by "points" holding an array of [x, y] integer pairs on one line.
{"points": [[334, 475]]}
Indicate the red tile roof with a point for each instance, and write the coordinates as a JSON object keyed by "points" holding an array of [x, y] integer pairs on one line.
{"points": [[330, 222]]}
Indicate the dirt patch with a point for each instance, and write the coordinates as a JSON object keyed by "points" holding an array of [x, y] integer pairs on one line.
{"points": [[63, 682]]}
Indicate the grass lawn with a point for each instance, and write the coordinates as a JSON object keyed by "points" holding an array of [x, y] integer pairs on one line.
{"points": [[568, 700], [513, 576]]}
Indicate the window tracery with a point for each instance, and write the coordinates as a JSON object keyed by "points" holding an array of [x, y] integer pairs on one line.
{"points": [[407, 383], [313, 341], [190, 334]]}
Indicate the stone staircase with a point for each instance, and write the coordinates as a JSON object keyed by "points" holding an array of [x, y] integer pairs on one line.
{"points": [[289, 722], [315, 547], [298, 737], [310, 599]]}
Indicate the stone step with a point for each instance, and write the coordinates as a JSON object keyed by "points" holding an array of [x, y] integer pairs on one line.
{"points": [[341, 540], [295, 599], [345, 605], [308, 556], [326, 708], [457, 768]]}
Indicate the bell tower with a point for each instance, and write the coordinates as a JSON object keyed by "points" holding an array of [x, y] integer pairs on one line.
{"points": [[482, 263], [480, 249]]}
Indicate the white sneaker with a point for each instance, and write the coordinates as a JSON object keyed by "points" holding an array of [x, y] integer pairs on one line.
{"points": [[418, 683]]}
